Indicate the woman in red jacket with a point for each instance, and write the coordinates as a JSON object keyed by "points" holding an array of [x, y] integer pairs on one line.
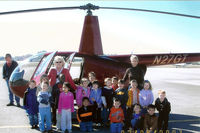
{"points": [[59, 68]]}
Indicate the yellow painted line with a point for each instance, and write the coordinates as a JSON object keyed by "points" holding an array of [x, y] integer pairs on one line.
{"points": [[75, 125], [189, 120]]}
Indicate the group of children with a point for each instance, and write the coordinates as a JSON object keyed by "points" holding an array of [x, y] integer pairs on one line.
{"points": [[112, 105]]}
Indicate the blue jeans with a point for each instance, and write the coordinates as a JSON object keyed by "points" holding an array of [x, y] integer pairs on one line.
{"points": [[104, 115], [133, 122], [44, 115], [116, 127], [11, 94], [33, 119], [86, 126]]}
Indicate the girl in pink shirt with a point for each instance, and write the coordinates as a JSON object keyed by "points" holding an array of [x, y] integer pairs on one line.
{"points": [[66, 107], [82, 91]]}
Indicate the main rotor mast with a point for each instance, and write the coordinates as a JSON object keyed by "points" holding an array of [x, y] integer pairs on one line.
{"points": [[89, 7]]}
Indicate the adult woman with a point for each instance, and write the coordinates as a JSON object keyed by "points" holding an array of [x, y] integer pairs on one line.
{"points": [[135, 72], [59, 68]]}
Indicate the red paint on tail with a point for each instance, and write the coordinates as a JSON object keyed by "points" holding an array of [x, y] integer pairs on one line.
{"points": [[91, 37]]}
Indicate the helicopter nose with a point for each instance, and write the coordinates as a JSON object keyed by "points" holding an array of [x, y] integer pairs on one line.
{"points": [[17, 84]]}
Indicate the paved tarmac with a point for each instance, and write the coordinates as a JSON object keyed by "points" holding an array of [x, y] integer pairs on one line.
{"points": [[181, 84]]}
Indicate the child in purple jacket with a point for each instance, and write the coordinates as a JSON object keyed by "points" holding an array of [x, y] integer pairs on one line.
{"points": [[95, 95], [31, 104], [66, 107], [146, 96], [82, 91]]}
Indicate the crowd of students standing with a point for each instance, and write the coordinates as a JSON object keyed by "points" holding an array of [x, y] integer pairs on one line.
{"points": [[111, 105]]}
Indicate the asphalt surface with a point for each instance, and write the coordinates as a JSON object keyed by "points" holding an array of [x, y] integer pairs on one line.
{"points": [[181, 84]]}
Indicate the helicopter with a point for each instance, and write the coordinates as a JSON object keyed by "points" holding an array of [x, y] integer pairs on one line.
{"points": [[90, 55]]}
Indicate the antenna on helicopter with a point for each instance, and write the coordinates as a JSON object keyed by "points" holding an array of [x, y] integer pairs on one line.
{"points": [[89, 7]]}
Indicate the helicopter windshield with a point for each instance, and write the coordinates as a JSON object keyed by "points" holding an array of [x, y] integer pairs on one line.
{"points": [[25, 68], [43, 66], [23, 72]]}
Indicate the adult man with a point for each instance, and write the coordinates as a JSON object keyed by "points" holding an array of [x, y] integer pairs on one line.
{"points": [[135, 72], [8, 68]]}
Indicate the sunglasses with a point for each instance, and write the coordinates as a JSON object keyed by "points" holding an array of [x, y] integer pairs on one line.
{"points": [[59, 62]]}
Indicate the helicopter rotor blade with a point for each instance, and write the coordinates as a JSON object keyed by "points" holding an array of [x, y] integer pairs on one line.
{"points": [[152, 11], [90, 7], [39, 9]]}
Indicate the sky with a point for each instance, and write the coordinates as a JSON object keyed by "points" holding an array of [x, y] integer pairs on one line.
{"points": [[122, 32]]}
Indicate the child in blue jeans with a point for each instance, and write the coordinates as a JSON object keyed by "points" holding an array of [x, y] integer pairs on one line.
{"points": [[95, 95], [85, 114], [137, 118], [44, 108], [31, 104], [116, 117]]}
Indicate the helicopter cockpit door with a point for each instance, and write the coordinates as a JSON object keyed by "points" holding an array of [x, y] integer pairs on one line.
{"points": [[69, 61], [43, 67]]}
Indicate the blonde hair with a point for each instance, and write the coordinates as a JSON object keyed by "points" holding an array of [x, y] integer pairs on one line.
{"points": [[161, 92], [59, 58], [91, 73], [84, 80], [134, 81], [107, 79], [134, 57]]}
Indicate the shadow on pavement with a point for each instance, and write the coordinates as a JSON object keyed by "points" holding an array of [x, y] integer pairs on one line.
{"points": [[184, 123]]}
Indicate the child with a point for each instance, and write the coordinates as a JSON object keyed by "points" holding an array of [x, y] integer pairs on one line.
{"points": [[43, 78], [82, 91], [44, 107], [116, 117], [92, 78], [31, 104], [85, 115], [133, 98], [107, 99], [150, 120], [122, 94], [137, 119], [95, 95], [65, 107], [114, 83], [146, 96], [56, 90], [164, 108]]}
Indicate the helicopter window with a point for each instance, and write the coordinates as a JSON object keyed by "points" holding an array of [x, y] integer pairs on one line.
{"points": [[76, 68], [41, 67], [44, 64]]}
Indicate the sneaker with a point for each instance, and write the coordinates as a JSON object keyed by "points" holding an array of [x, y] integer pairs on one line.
{"points": [[36, 126], [18, 105], [98, 125], [66, 131], [32, 127], [10, 104], [49, 131], [58, 129]]}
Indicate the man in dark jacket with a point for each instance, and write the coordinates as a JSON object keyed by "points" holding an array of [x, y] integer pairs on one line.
{"points": [[8, 68], [136, 72]]}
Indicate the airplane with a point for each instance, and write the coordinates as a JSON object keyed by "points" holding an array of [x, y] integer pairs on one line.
{"points": [[90, 55]]}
